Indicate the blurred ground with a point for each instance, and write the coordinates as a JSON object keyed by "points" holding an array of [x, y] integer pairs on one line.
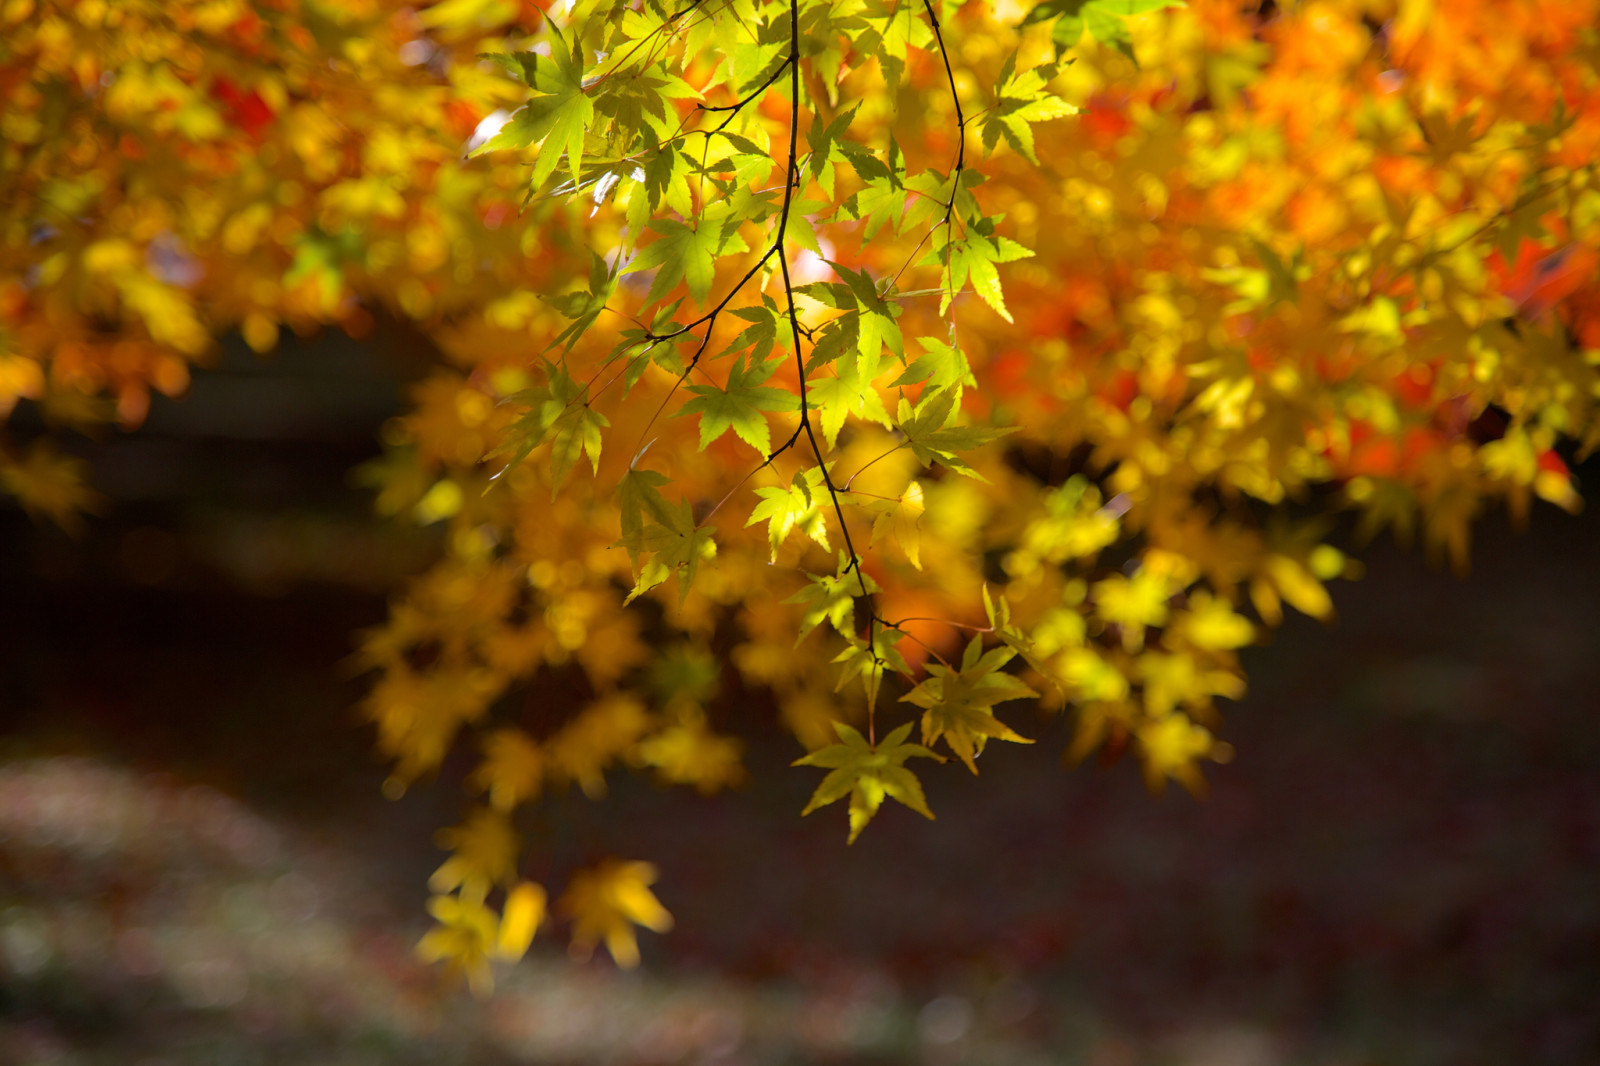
{"points": [[1401, 866]]}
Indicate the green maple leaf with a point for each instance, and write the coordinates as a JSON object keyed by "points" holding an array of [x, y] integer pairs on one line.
{"points": [[973, 258], [559, 116], [877, 327], [666, 178], [666, 533], [583, 307], [639, 500], [882, 197], [676, 554], [958, 704], [1522, 222], [867, 774], [838, 337], [797, 506], [1021, 100], [644, 97], [558, 413], [933, 439], [891, 27], [832, 599], [935, 191], [869, 661], [575, 434], [848, 392], [687, 253], [867, 325], [761, 335], [940, 366], [824, 139], [1102, 18], [739, 406], [999, 612], [1445, 137]]}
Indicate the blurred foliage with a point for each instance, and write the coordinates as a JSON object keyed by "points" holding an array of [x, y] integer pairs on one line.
{"points": [[1291, 262]]}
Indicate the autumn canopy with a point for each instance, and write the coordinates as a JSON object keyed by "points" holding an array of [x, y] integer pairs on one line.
{"points": [[916, 362]]}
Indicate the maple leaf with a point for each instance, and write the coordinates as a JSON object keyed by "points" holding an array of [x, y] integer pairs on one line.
{"points": [[465, 939], [557, 116], [605, 902], [972, 258], [869, 662], [998, 610], [1022, 98], [559, 414], [797, 506], [958, 704], [892, 27], [665, 177], [1211, 624], [485, 852], [49, 484], [761, 336], [738, 407], [933, 439], [687, 253], [688, 753], [867, 773], [869, 320], [1172, 746], [584, 307], [832, 598], [1133, 603], [824, 137], [1445, 137], [845, 393], [602, 733], [667, 533], [898, 518], [882, 198], [513, 768], [940, 366], [1102, 18], [1523, 221]]}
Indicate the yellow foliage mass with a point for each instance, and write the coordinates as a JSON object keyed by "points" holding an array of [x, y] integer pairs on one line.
{"points": [[1095, 418]]}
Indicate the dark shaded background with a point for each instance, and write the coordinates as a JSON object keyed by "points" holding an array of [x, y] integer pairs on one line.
{"points": [[1401, 866]]}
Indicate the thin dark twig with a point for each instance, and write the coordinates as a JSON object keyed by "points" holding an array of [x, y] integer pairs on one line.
{"points": [[736, 107], [788, 291], [961, 137]]}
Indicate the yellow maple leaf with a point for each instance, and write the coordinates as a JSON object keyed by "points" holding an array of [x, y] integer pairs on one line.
{"points": [[1210, 623], [606, 902], [464, 939], [513, 768], [485, 854], [958, 705], [1172, 746], [51, 485], [687, 753], [1133, 603], [602, 733], [867, 773]]}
